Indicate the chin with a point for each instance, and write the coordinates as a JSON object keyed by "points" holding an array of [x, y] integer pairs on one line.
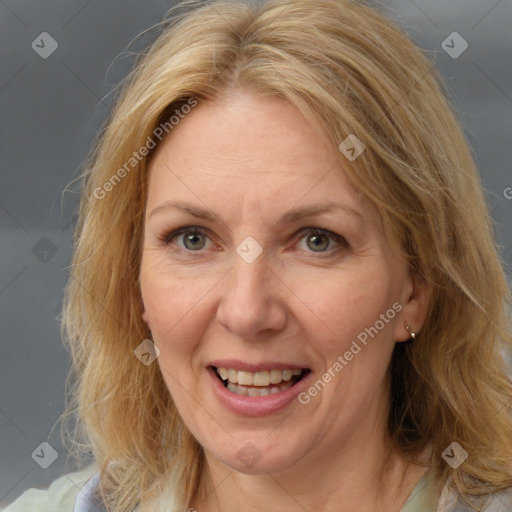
{"points": [[258, 457]]}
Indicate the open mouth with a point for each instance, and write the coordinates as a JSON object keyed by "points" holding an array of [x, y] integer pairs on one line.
{"points": [[263, 383]]}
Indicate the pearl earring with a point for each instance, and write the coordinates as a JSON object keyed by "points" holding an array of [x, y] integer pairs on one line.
{"points": [[412, 334]]}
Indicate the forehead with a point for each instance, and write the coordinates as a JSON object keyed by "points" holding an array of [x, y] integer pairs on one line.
{"points": [[245, 149]]}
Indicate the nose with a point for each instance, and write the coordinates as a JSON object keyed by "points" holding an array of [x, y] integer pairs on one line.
{"points": [[253, 299]]}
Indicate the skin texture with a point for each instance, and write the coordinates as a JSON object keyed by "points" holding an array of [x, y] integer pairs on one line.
{"points": [[250, 159]]}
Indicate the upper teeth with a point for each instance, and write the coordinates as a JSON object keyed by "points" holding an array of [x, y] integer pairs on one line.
{"points": [[263, 378]]}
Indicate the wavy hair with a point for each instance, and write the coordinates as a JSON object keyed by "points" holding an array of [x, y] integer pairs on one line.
{"points": [[450, 384]]}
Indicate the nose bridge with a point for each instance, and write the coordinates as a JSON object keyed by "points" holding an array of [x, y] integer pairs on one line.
{"points": [[250, 280], [250, 298], [249, 286]]}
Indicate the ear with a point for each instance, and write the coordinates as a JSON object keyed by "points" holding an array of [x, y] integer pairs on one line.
{"points": [[415, 303], [145, 317]]}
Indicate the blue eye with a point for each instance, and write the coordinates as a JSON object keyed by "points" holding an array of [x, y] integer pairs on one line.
{"points": [[193, 239], [319, 240]]}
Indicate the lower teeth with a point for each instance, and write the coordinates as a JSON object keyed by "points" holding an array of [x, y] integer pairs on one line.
{"points": [[258, 391]]}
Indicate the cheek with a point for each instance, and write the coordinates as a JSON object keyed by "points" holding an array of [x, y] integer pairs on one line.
{"points": [[170, 301], [350, 307], [174, 315]]}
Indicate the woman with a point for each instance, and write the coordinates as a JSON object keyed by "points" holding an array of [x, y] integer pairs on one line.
{"points": [[285, 291]]}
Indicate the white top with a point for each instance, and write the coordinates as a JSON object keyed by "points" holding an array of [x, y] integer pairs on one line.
{"points": [[73, 492], [83, 501]]}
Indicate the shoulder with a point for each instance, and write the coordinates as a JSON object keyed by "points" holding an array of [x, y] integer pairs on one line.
{"points": [[496, 502], [500, 501], [59, 497]]}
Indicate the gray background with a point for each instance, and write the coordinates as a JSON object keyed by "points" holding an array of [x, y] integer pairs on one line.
{"points": [[52, 108]]}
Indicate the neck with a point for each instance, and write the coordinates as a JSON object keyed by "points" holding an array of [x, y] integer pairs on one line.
{"points": [[366, 475]]}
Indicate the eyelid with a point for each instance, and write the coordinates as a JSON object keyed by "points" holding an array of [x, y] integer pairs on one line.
{"points": [[321, 231], [168, 236], [173, 233]]}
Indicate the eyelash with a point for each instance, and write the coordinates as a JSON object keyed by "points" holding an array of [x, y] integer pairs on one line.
{"points": [[168, 237]]}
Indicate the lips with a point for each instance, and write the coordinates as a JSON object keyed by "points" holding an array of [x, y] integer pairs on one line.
{"points": [[256, 400]]}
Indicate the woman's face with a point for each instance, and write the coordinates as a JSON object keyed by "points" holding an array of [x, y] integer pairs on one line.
{"points": [[280, 271]]}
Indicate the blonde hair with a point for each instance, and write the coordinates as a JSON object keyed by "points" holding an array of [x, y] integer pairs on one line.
{"points": [[450, 384]]}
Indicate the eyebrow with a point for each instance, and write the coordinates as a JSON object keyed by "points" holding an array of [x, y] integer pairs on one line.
{"points": [[293, 215]]}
